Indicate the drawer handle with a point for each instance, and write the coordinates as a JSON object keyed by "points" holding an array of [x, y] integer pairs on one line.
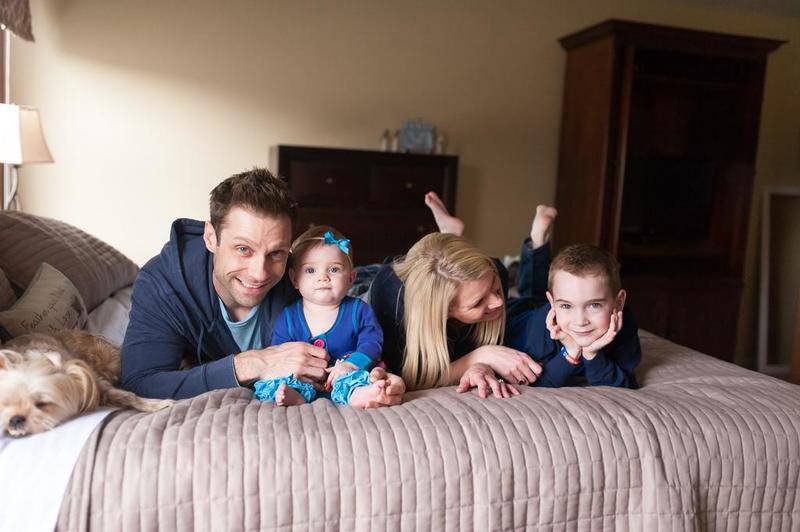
{"points": [[409, 185], [329, 180]]}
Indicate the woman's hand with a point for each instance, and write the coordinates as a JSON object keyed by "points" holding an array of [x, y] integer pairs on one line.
{"points": [[512, 365], [482, 377]]}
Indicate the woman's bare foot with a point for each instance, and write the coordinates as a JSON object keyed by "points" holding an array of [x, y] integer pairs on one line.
{"points": [[288, 396], [370, 396], [446, 222], [542, 225]]}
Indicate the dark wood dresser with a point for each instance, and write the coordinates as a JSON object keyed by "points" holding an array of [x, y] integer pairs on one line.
{"points": [[658, 149], [374, 198]]}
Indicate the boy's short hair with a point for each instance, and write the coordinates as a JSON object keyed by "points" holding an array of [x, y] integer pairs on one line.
{"points": [[257, 190], [583, 260], [315, 237]]}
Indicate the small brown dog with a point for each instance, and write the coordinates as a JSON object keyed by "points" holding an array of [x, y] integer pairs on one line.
{"points": [[48, 379]]}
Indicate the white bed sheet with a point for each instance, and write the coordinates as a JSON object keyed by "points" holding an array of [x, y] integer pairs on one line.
{"points": [[35, 471]]}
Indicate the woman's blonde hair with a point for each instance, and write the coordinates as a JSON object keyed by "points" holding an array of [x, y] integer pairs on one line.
{"points": [[431, 273]]}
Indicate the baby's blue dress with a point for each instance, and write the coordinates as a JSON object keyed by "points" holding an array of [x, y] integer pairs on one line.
{"points": [[355, 337]]}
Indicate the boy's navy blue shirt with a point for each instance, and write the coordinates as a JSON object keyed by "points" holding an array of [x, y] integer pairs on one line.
{"points": [[614, 365], [175, 314]]}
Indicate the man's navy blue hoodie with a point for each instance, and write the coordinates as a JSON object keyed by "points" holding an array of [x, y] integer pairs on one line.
{"points": [[175, 313]]}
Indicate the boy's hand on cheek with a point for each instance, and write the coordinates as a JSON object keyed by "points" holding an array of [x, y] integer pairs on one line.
{"points": [[557, 333], [590, 351]]}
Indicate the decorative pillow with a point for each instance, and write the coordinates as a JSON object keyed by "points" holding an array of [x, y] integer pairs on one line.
{"points": [[51, 303], [7, 296], [97, 269]]}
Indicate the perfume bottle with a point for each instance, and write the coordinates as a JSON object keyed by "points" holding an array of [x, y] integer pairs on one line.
{"points": [[385, 140], [441, 144]]}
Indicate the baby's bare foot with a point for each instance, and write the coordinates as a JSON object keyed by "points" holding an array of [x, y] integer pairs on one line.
{"points": [[288, 396], [370, 396], [542, 225], [446, 222]]}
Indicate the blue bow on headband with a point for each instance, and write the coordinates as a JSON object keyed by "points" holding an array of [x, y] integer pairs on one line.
{"points": [[343, 244]]}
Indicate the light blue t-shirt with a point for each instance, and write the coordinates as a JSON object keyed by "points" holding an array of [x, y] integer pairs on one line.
{"points": [[246, 333]]}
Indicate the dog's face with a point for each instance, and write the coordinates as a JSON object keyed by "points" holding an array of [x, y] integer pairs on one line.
{"points": [[39, 391]]}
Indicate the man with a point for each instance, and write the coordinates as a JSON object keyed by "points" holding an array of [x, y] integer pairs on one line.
{"points": [[211, 297]]}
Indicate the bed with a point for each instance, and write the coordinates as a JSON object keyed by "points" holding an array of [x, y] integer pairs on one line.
{"points": [[703, 445]]}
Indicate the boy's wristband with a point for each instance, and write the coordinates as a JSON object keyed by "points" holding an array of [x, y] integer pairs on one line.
{"points": [[564, 353]]}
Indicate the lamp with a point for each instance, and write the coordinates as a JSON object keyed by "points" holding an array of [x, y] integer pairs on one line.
{"points": [[21, 142]]}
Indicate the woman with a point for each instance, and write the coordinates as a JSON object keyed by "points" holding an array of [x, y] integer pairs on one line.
{"points": [[442, 308]]}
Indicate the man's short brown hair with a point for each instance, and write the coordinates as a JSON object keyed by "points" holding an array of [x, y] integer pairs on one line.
{"points": [[257, 190], [583, 260]]}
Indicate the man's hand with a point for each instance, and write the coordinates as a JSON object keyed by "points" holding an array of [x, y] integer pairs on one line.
{"points": [[512, 365], [395, 387], [614, 326], [342, 368], [305, 361], [557, 333], [482, 377]]}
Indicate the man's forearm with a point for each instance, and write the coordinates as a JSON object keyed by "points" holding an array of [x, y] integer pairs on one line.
{"points": [[182, 384]]}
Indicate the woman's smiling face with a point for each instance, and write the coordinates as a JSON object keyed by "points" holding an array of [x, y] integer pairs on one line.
{"points": [[478, 300]]}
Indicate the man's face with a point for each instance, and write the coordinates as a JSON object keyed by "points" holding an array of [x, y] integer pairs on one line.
{"points": [[250, 254], [583, 305], [322, 275]]}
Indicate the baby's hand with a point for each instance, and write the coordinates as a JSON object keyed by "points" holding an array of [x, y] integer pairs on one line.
{"points": [[590, 351], [341, 368], [557, 333]]}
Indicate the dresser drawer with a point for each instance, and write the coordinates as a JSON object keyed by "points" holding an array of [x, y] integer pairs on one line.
{"points": [[321, 184], [403, 186], [375, 236]]}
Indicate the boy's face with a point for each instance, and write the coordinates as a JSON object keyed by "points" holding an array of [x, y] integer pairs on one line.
{"points": [[323, 275], [583, 305]]}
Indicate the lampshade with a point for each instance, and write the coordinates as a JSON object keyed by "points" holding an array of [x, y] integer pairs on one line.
{"points": [[21, 137]]}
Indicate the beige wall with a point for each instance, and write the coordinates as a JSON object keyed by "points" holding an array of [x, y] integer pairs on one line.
{"points": [[147, 105]]}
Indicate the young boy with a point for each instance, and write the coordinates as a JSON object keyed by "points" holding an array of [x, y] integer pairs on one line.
{"points": [[585, 330]]}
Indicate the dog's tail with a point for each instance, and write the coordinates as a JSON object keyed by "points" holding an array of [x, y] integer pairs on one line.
{"points": [[125, 399]]}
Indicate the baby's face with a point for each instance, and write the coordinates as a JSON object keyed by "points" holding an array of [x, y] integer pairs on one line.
{"points": [[583, 305], [323, 275]]}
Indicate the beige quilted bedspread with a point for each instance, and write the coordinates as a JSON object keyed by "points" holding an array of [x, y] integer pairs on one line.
{"points": [[703, 445]]}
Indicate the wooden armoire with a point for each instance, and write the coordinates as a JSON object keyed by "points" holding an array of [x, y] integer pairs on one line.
{"points": [[656, 164]]}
